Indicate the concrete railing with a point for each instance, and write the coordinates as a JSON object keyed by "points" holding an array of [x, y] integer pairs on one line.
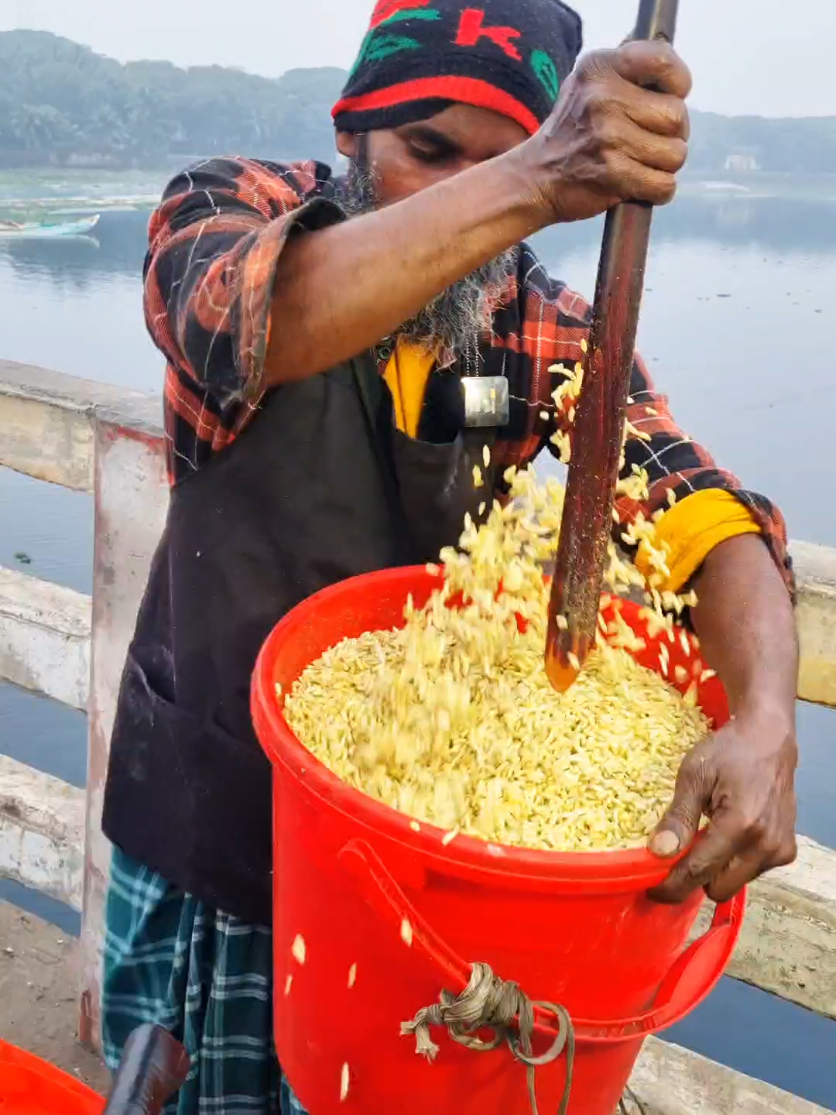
{"points": [[57, 642]]}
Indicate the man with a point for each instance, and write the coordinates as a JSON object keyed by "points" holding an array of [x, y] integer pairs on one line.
{"points": [[318, 335]]}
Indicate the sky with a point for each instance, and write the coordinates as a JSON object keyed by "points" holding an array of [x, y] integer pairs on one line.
{"points": [[767, 57]]}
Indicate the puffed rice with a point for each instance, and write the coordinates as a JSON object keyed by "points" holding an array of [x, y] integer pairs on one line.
{"points": [[452, 720]]}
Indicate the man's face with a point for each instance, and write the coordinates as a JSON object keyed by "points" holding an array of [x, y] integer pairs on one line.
{"points": [[415, 156], [411, 158]]}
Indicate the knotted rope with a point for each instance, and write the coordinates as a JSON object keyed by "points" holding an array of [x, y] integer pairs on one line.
{"points": [[491, 1003]]}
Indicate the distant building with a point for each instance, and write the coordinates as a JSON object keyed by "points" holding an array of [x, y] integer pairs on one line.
{"points": [[741, 164]]}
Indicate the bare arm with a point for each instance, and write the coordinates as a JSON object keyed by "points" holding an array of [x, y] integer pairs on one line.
{"points": [[741, 777], [341, 289], [746, 627]]}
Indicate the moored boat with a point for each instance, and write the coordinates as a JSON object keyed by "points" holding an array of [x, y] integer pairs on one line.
{"points": [[47, 230]]}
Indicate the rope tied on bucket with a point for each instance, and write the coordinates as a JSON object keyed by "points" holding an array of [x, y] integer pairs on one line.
{"points": [[491, 1003]]}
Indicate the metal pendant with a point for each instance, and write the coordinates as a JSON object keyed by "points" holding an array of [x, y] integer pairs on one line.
{"points": [[486, 401]]}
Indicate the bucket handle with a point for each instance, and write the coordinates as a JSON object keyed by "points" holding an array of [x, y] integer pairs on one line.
{"points": [[692, 975]]}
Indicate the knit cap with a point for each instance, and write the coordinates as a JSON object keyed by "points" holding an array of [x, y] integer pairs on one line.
{"points": [[420, 56]]}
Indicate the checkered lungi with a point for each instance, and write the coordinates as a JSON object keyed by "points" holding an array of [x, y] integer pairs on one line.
{"points": [[206, 977]]}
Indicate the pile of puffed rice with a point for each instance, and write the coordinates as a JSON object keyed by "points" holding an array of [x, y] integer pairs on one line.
{"points": [[452, 720]]}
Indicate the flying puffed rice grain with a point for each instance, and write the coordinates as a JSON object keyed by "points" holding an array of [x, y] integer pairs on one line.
{"points": [[299, 949], [452, 720]]}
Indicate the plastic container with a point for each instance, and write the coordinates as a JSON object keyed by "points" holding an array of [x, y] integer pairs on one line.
{"points": [[29, 1086], [575, 929]]}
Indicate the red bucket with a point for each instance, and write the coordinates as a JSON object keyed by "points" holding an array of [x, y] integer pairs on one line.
{"points": [[574, 929], [29, 1086]]}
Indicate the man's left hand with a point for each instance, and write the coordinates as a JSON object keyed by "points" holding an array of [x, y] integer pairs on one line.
{"points": [[742, 778]]}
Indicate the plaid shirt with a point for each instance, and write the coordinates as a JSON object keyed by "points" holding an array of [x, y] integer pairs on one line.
{"points": [[209, 279]]}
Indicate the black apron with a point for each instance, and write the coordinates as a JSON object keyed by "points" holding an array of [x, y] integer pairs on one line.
{"points": [[319, 487]]}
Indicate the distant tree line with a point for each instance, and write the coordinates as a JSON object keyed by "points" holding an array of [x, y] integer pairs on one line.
{"points": [[789, 145], [62, 104]]}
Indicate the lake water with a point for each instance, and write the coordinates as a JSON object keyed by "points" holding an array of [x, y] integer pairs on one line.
{"points": [[737, 327]]}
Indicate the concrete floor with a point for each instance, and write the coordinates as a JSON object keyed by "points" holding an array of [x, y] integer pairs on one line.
{"points": [[38, 995]]}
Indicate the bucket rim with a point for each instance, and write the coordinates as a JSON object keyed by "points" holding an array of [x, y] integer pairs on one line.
{"points": [[24, 1067], [622, 866]]}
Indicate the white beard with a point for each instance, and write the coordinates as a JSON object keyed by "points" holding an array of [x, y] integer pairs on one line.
{"points": [[455, 320]]}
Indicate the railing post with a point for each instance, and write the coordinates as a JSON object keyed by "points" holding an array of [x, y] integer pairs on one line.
{"points": [[130, 504]]}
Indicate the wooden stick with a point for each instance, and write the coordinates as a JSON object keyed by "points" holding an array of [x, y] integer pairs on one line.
{"points": [[601, 414]]}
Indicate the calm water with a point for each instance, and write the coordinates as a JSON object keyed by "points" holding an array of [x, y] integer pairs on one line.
{"points": [[737, 327]]}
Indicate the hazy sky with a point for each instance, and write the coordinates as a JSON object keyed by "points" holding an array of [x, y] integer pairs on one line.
{"points": [[771, 57]]}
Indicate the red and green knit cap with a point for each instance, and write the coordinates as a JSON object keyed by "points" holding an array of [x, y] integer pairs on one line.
{"points": [[510, 56]]}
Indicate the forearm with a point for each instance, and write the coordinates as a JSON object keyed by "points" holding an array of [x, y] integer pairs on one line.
{"points": [[341, 289], [745, 623]]}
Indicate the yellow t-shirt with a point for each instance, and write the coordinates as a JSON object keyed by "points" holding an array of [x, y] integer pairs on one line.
{"points": [[694, 527], [407, 375]]}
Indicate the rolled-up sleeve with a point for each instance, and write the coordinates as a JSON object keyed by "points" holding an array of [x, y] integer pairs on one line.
{"points": [[210, 274], [679, 469]]}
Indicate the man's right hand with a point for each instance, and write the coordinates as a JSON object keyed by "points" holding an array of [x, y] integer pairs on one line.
{"points": [[618, 133]]}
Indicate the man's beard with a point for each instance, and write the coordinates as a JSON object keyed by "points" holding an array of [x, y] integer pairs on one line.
{"points": [[452, 324]]}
